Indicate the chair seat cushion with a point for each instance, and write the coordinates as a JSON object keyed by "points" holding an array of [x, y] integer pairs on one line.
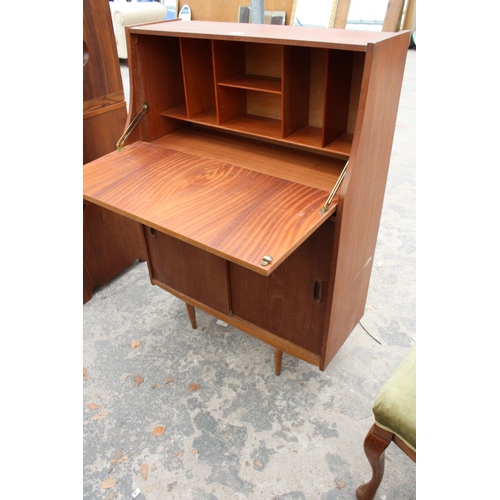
{"points": [[395, 406]]}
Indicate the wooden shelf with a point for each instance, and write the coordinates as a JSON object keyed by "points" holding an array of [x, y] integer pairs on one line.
{"points": [[259, 126], [341, 146], [180, 113], [254, 82], [307, 136]]}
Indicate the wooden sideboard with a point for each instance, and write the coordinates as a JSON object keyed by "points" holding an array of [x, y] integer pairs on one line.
{"points": [[111, 242], [242, 133]]}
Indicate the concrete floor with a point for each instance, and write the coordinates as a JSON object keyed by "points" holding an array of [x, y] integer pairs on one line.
{"points": [[241, 432]]}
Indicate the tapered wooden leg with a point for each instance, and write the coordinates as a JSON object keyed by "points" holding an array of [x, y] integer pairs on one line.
{"points": [[376, 442], [192, 315], [278, 359]]}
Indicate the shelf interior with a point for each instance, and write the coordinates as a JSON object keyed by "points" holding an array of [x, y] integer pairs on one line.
{"points": [[304, 97]]}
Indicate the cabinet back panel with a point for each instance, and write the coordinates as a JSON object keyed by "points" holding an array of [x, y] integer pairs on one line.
{"points": [[263, 59], [228, 59], [319, 60], [231, 102], [338, 88], [356, 78], [264, 104]]}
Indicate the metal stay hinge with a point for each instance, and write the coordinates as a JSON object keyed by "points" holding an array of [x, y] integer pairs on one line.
{"points": [[267, 259], [131, 126], [324, 208]]}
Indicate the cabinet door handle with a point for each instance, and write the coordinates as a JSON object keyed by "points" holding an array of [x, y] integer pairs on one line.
{"points": [[152, 232], [318, 291]]}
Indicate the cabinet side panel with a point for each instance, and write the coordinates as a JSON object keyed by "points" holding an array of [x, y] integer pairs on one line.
{"points": [[101, 131], [291, 302], [111, 243], [362, 193], [101, 73]]}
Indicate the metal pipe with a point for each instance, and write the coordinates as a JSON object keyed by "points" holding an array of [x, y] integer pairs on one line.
{"points": [[257, 9]]}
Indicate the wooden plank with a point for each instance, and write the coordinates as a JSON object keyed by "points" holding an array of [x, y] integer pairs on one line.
{"points": [[233, 212], [392, 20], [410, 21], [341, 14]]}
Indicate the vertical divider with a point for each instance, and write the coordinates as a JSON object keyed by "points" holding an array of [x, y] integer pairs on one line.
{"points": [[295, 89], [196, 55], [337, 95], [228, 62]]}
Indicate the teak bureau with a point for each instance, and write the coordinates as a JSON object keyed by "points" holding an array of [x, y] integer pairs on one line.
{"points": [[237, 135]]}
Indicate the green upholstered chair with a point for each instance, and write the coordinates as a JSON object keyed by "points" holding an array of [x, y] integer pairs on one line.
{"points": [[395, 421]]}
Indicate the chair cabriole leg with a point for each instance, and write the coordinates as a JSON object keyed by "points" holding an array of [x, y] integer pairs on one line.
{"points": [[375, 447]]}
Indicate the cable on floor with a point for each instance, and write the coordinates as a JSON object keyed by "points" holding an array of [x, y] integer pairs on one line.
{"points": [[376, 340]]}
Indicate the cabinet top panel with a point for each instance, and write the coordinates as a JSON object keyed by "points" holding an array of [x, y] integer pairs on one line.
{"points": [[266, 33], [233, 212]]}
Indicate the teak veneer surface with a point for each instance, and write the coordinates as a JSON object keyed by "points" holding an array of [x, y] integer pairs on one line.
{"points": [[306, 168], [266, 33], [233, 212]]}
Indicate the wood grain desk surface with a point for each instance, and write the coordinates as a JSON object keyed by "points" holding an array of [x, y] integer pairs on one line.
{"points": [[234, 212]]}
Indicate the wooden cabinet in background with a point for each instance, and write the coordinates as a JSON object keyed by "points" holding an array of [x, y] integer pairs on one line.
{"points": [[248, 129], [111, 242]]}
